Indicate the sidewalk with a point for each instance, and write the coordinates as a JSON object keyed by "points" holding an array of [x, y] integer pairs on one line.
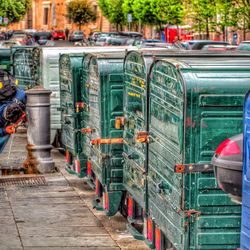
{"points": [[56, 212]]}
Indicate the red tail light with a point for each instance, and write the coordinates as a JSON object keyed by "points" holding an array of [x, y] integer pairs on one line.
{"points": [[130, 207], [150, 230], [228, 147], [67, 156], [158, 239], [78, 166], [88, 168]]}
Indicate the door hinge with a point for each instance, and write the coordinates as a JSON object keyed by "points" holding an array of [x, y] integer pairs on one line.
{"points": [[99, 141], [87, 130], [142, 137], [193, 168], [189, 213]]}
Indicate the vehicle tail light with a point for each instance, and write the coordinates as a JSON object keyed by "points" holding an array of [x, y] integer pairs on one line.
{"points": [[67, 156], [158, 239], [228, 147], [130, 207], [77, 166], [106, 201], [88, 168], [150, 229]]}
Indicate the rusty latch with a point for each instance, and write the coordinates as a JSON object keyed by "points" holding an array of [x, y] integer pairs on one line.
{"points": [[193, 168], [80, 105], [142, 137], [188, 213], [107, 141], [119, 122], [87, 130]]}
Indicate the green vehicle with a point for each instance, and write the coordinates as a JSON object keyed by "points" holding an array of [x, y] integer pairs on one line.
{"points": [[194, 104], [103, 103], [5, 59]]}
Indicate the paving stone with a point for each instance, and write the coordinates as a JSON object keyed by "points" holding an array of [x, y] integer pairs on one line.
{"points": [[95, 241], [8, 230], [9, 241], [72, 248], [61, 200], [73, 231], [28, 195]]}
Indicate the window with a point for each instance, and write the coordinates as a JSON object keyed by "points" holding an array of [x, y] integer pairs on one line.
{"points": [[45, 16]]}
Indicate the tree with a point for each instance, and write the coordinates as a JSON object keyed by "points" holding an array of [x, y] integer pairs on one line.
{"points": [[228, 13], [14, 10], [142, 11], [81, 12], [168, 11], [244, 18], [112, 10], [204, 15]]}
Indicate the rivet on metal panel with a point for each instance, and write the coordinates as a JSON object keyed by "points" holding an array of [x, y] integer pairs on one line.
{"points": [[179, 168]]}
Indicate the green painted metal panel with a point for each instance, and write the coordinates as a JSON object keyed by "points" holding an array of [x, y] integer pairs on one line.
{"points": [[104, 97], [5, 59], [194, 105], [25, 67], [70, 69]]}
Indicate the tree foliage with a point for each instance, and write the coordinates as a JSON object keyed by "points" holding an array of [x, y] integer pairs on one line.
{"points": [[112, 10], [205, 15], [14, 10], [168, 11], [81, 12], [142, 11]]}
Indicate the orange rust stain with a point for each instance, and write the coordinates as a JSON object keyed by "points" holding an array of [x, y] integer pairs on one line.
{"points": [[30, 164]]}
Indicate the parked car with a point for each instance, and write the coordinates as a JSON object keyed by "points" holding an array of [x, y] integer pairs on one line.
{"points": [[130, 34], [119, 41], [43, 38], [9, 44], [2, 36], [75, 36], [244, 45], [58, 34], [22, 38], [101, 38], [199, 44]]}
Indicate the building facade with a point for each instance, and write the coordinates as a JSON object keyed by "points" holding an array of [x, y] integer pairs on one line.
{"points": [[52, 15]]}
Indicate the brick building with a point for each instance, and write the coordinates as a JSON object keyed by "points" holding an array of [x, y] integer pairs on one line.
{"points": [[51, 14]]}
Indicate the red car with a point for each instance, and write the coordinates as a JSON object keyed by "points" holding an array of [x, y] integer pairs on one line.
{"points": [[58, 34]]}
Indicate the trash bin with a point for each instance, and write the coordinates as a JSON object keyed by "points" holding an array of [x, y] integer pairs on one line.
{"points": [[194, 105], [102, 99]]}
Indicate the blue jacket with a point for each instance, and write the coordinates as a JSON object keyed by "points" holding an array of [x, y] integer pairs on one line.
{"points": [[19, 96]]}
